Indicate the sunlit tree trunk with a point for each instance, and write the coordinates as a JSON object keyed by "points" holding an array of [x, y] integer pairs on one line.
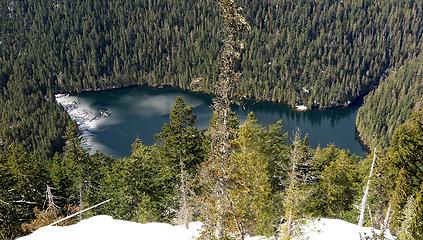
{"points": [[366, 192]]}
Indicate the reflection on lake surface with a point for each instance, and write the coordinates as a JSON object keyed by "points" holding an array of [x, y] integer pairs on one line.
{"points": [[141, 111]]}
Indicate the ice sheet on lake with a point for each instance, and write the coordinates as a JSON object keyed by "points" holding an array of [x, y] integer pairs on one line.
{"points": [[87, 119]]}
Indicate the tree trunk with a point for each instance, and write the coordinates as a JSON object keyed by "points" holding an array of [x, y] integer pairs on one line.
{"points": [[386, 221], [366, 192], [184, 205]]}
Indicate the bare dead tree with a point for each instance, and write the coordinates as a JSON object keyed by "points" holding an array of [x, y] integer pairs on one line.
{"points": [[385, 224], [50, 213], [366, 192], [50, 200]]}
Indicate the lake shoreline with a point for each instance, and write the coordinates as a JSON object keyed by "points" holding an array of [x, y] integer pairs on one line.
{"points": [[334, 120], [348, 104]]}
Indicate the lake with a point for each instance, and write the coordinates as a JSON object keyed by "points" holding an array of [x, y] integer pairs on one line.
{"points": [[141, 112]]}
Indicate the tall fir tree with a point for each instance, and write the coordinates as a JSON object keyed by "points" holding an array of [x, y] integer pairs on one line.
{"points": [[399, 198], [180, 145], [67, 172], [22, 178], [337, 183], [404, 232], [217, 210], [248, 183]]}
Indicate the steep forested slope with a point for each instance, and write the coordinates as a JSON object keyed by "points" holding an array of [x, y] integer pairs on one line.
{"points": [[317, 53], [321, 53], [391, 103]]}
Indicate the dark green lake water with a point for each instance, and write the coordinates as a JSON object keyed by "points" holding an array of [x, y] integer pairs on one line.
{"points": [[141, 111]]}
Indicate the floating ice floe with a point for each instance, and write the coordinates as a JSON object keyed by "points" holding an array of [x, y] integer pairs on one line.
{"points": [[301, 108]]}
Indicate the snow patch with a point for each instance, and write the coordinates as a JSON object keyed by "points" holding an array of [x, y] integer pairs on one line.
{"points": [[334, 229], [106, 228]]}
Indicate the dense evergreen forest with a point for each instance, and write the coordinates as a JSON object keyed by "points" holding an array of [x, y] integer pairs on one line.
{"points": [[391, 103], [321, 53], [317, 53], [147, 185]]}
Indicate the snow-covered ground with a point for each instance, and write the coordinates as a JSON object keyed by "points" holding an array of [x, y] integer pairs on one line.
{"points": [[336, 229], [107, 228]]}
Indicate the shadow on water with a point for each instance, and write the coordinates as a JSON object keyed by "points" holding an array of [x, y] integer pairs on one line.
{"points": [[141, 111]]}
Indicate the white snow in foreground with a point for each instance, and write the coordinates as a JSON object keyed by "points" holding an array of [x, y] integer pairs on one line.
{"points": [[336, 229], [107, 228]]}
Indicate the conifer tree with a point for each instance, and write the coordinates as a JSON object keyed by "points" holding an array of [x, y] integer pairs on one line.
{"points": [[154, 182], [181, 147], [337, 183], [399, 199], [67, 171], [405, 151], [248, 182], [141, 186], [404, 232], [218, 207], [299, 176], [20, 179], [150, 184], [115, 185], [179, 139], [417, 222], [277, 151]]}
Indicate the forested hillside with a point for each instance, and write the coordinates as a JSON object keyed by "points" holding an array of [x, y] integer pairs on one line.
{"points": [[320, 53], [391, 103], [239, 179]]}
